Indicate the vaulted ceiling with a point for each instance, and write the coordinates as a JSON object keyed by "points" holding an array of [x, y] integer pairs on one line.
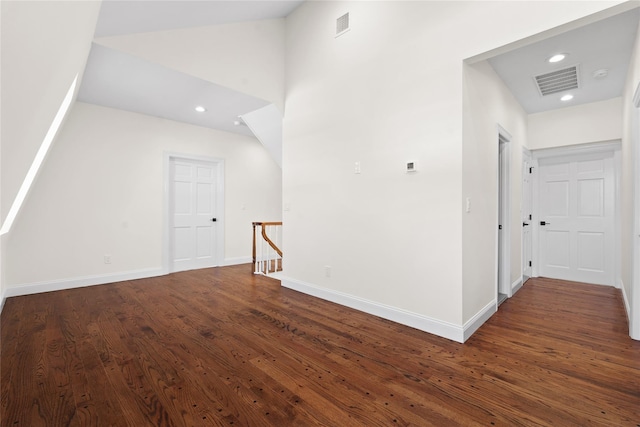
{"points": [[119, 79], [123, 80]]}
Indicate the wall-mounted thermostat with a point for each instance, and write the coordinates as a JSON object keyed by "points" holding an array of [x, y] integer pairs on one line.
{"points": [[411, 167]]}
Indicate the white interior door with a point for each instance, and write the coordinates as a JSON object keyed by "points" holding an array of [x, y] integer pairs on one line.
{"points": [[576, 218], [527, 217], [193, 220]]}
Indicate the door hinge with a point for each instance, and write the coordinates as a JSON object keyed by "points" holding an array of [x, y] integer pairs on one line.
{"points": [[529, 263]]}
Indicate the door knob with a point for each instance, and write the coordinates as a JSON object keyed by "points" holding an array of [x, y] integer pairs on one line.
{"points": [[524, 224], [544, 223], [214, 219]]}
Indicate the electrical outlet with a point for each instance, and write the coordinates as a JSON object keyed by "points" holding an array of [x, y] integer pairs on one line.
{"points": [[327, 271], [107, 259], [356, 168]]}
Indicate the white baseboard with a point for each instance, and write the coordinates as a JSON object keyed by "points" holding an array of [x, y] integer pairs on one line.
{"points": [[79, 282], [478, 320], [515, 286], [238, 260], [625, 298], [418, 321], [4, 297]]}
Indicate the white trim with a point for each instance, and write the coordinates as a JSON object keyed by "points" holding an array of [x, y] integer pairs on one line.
{"points": [[79, 282], [4, 298], [597, 150], [504, 195], [634, 289], [515, 286], [617, 218], [473, 324], [636, 97], [237, 260], [535, 203], [579, 149], [527, 162], [418, 321], [168, 156], [625, 298]]}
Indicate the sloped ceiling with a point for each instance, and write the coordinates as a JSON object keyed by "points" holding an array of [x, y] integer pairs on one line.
{"points": [[119, 80], [165, 85]]}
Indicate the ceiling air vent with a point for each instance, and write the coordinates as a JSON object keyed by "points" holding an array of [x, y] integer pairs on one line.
{"points": [[557, 81], [342, 24]]}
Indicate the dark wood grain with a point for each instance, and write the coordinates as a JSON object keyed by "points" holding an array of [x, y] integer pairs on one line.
{"points": [[225, 347]]}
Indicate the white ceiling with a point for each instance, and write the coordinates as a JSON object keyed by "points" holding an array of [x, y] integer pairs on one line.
{"points": [[119, 17], [606, 44], [120, 80], [123, 81]]}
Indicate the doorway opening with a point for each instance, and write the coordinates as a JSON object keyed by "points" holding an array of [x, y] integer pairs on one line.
{"points": [[504, 217]]}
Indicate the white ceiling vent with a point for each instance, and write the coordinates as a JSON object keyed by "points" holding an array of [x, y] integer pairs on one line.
{"points": [[557, 81], [342, 24]]}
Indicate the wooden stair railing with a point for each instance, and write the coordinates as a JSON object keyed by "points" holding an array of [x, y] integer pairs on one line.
{"points": [[267, 256]]}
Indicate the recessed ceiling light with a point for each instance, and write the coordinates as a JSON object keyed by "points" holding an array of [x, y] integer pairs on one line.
{"points": [[557, 58], [200, 109], [567, 97]]}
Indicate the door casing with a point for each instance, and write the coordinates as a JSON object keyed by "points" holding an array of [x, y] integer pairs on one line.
{"points": [[166, 239], [527, 209], [577, 150], [503, 238]]}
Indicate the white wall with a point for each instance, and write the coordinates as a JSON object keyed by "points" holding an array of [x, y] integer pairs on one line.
{"points": [[101, 191], [44, 45], [247, 56], [2, 237], [630, 193], [488, 103], [387, 92], [594, 122]]}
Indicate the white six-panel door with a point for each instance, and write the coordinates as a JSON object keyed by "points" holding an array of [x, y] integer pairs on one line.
{"points": [[576, 206], [193, 220]]}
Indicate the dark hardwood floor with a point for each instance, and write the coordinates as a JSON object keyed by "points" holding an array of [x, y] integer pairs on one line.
{"points": [[224, 347]]}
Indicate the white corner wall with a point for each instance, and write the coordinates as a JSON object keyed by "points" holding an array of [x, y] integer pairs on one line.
{"points": [[387, 92], [390, 238], [487, 104], [246, 56], [101, 191], [594, 122]]}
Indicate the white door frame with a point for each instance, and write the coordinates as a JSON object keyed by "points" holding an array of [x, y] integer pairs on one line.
{"points": [[166, 234], [503, 240], [573, 150], [634, 309], [527, 162]]}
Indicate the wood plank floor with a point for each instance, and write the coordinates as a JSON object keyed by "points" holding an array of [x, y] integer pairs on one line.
{"points": [[223, 347]]}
